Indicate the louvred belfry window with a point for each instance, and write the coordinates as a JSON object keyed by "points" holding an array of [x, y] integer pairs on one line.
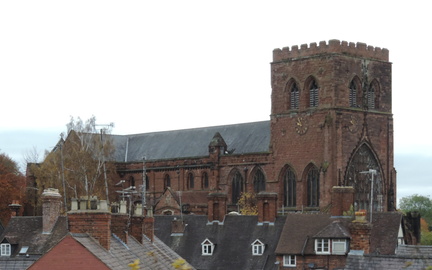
{"points": [[353, 95], [313, 95], [294, 97]]}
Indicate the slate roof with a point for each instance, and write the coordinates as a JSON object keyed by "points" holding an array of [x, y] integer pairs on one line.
{"points": [[151, 255], [406, 257], [245, 138], [300, 230], [27, 231], [232, 241]]}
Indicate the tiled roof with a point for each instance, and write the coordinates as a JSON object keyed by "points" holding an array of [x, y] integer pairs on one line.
{"points": [[232, 241], [301, 229], [244, 138], [151, 255]]}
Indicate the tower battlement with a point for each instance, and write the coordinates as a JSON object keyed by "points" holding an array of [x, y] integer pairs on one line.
{"points": [[333, 46]]}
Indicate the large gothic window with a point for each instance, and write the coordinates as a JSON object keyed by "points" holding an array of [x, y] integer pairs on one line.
{"points": [[353, 94], [313, 187], [237, 186], [289, 181], [294, 97], [313, 94], [259, 181], [358, 176]]}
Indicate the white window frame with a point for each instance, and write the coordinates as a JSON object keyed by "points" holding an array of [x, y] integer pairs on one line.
{"points": [[5, 249], [207, 248], [322, 246], [258, 248], [339, 242], [289, 260]]}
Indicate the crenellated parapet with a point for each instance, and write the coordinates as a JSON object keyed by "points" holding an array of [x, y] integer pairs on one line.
{"points": [[334, 46]]}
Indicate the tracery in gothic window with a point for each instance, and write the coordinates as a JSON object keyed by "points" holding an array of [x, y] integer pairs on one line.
{"points": [[358, 177]]}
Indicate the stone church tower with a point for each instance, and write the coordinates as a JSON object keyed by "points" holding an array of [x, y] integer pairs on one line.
{"points": [[332, 124]]}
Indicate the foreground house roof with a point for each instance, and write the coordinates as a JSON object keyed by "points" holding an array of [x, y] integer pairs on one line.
{"points": [[243, 138], [406, 257], [27, 232], [232, 240], [300, 230]]}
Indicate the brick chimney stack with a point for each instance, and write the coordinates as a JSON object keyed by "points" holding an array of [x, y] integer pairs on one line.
{"points": [[14, 207], [267, 208], [360, 231], [217, 206], [95, 222], [342, 200], [51, 205]]}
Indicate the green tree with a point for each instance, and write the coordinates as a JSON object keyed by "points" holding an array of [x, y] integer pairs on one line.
{"points": [[419, 203], [12, 186]]}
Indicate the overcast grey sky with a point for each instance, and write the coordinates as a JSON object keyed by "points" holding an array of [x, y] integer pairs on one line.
{"points": [[164, 65]]}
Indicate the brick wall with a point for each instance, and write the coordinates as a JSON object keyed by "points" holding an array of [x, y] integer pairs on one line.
{"points": [[360, 236]]}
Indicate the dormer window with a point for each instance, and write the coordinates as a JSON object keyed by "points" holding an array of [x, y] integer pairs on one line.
{"points": [[5, 249], [258, 248], [331, 246], [207, 247]]}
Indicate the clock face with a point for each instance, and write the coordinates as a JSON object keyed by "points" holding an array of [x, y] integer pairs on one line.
{"points": [[353, 123], [301, 125]]}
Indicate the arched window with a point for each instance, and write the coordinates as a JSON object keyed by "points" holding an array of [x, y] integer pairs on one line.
{"points": [[289, 181], [190, 181], [237, 186], [131, 181], [259, 181], [353, 94], [167, 181], [205, 181], [294, 96], [313, 187], [313, 94], [358, 176]]}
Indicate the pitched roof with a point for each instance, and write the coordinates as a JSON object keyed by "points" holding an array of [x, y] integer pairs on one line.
{"points": [[27, 231], [251, 137], [232, 241], [384, 234], [151, 255], [301, 229]]}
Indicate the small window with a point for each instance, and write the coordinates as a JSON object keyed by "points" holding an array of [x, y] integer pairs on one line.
{"points": [[190, 181], [339, 246], [289, 260], [258, 248], [322, 246], [207, 247], [23, 250], [5, 250]]}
